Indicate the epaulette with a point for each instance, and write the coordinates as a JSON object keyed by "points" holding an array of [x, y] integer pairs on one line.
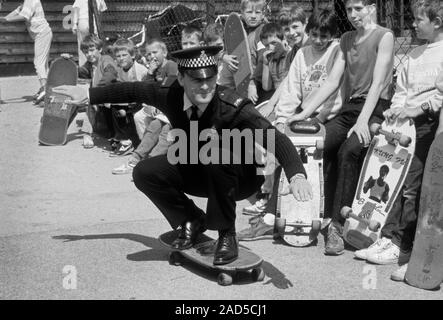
{"points": [[231, 97], [168, 81]]}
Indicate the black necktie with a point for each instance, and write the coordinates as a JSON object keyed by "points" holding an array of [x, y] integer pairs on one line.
{"points": [[194, 113]]}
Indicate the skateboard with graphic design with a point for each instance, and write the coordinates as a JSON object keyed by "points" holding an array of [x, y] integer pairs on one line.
{"points": [[381, 178], [298, 223], [237, 44], [425, 268], [247, 260], [57, 114]]}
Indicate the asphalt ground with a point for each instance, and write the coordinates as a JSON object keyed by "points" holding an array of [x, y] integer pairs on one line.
{"points": [[71, 230]]}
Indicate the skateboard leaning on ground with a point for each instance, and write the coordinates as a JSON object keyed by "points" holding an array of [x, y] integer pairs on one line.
{"points": [[425, 268], [298, 223], [381, 179], [247, 260], [57, 114], [237, 44]]}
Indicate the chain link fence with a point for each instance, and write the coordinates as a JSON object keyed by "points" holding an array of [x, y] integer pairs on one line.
{"points": [[139, 19]]}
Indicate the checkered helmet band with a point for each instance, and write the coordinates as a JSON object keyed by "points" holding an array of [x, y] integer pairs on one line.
{"points": [[200, 62]]}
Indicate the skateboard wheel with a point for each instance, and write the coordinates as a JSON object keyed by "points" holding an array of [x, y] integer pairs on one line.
{"points": [[374, 225], [345, 212], [320, 145], [258, 274], [224, 279], [316, 226], [405, 141], [175, 259]]}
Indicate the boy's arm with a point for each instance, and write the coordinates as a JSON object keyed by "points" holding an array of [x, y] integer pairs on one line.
{"points": [[314, 101], [291, 95], [381, 71], [401, 91], [439, 86], [266, 78], [14, 16]]}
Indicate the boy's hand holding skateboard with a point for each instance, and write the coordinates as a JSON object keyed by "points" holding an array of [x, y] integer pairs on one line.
{"points": [[231, 61]]}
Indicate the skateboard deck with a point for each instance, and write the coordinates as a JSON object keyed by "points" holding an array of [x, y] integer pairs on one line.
{"points": [[237, 44], [425, 268], [389, 155], [247, 260], [57, 114], [298, 223]]}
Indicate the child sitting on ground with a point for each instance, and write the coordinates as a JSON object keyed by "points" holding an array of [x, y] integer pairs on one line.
{"points": [[128, 70], [152, 125]]}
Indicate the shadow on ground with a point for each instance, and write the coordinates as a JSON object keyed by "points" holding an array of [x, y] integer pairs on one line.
{"points": [[158, 252]]}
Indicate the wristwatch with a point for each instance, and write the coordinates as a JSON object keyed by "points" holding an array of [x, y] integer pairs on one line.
{"points": [[426, 108]]}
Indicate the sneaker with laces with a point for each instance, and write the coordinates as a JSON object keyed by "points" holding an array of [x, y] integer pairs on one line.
{"points": [[375, 247], [399, 274], [334, 242], [257, 208], [125, 168], [124, 148], [257, 230], [390, 254]]}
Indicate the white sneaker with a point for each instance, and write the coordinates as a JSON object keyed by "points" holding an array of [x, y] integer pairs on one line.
{"points": [[257, 208], [373, 248], [390, 254], [399, 274]]}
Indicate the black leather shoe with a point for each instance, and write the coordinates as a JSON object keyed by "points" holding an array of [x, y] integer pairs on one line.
{"points": [[188, 235], [227, 250], [208, 250]]}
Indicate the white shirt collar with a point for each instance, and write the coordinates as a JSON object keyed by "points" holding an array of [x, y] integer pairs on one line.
{"points": [[187, 104]]}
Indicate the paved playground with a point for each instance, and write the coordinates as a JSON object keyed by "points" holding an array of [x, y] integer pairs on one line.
{"points": [[71, 230]]}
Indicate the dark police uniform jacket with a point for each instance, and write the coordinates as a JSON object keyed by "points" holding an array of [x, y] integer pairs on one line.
{"points": [[227, 110]]}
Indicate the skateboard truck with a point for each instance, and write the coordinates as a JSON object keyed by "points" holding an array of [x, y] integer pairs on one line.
{"points": [[346, 212], [393, 138]]}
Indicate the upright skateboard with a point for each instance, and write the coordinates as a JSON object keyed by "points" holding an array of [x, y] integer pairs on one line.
{"points": [[247, 260], [237, 44], [425, 268], [57, 114], [298, 223], [381, 179]]}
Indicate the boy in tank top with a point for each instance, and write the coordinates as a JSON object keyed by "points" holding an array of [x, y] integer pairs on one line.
{"points": [[365, 65]]}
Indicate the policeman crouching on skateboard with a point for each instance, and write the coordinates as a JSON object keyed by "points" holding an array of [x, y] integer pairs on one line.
{"points": [[192, 100]]}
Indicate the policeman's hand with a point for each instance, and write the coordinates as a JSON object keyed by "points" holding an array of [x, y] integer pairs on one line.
{"points": [[78, 95], [231, 61], [252, 92], [361, 129], [301, 188]]}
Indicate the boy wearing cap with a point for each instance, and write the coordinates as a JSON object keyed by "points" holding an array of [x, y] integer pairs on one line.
{"points": [[194, 101]]}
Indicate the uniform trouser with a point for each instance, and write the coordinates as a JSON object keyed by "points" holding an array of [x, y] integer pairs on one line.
{"points": [[42, 46], [402, 219], [166, 184], [343, 157]]}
